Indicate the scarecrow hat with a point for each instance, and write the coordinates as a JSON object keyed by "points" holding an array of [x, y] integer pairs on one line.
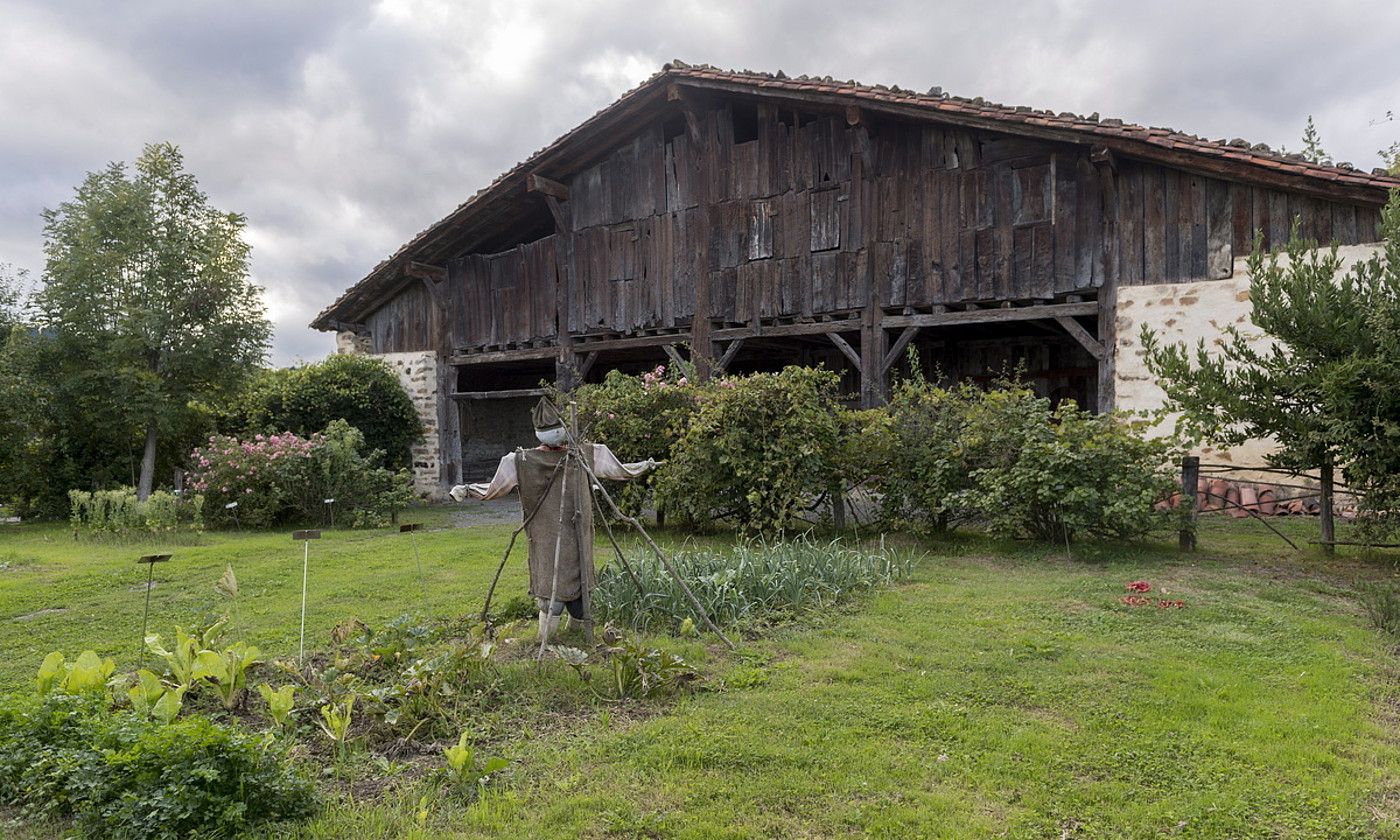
{"points": [[545, 415]]}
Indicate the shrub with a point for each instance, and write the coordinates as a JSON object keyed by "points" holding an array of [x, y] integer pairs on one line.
{"points": [[758, 448], [122, 776], [285, 477], [1382, 604], [121, 514], [638, 417], [363, 391], [752, 583], [1053, 474]]}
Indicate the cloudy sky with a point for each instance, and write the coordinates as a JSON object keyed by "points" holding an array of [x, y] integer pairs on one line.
{"points": [[342, 127]]}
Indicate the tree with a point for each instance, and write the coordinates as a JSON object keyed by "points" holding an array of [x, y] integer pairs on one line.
{"points": [[361, 390], [1320, 386], [1312, 144], [147, 295]]}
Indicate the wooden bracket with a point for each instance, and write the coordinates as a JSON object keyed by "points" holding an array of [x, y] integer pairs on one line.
{"points": [[586, 364], [674, 354], [540, 184], [729, 353], [1087, 341], [424, 271], [897, 348], [853, 115], [674, 93], [1100, 153], [845, 348]]}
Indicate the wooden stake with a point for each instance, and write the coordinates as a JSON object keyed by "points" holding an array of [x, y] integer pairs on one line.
{"points": [[1190, 493]]}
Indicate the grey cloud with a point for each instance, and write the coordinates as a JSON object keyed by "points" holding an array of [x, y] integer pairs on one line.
{"points": [[341, 129]]}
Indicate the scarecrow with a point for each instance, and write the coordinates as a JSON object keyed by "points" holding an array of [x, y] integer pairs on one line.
{"points": [[556, 481]]}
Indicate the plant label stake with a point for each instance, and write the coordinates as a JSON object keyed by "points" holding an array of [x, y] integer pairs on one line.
{"points": [[233, 507], [150, 560], [411, 529], [305, 538], [330, 505]]}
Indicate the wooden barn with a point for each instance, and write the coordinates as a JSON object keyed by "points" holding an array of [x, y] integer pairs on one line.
{"points": [[748, 221]]}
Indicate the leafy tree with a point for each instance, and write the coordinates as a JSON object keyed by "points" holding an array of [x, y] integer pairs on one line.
{"points": [[361, 390], [1318, 385], [147, 296]]}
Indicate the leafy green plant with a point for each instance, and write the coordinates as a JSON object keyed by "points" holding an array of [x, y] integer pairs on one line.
{"points": [[122, 775], [637, 672], [335, 722], [467, 771], [152, 698], [87, 674], [182, 658], [120, 514], [280, 703], [227, 670]]}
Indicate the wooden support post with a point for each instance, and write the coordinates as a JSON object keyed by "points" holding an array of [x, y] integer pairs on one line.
{"points": [[701, 345], [729, 353], [1329, 533], [900, 343], [847, 350], [1108, 319], [838, 506], [873, 392], [1190, 493]]}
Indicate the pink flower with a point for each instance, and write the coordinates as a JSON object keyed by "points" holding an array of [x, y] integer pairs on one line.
{"points": [[1140, 586]]}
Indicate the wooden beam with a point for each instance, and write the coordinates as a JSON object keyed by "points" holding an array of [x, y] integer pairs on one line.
{"points": [[785, 330], [984, 316], [628, 343], [846, 349], [586, 365], [674, 355], [674, 93], [729, 353], [346, 326], [491, 356], [540, 184], [499, 395], [1081, 335], [1108, 338], [897, 348], [424, 271], [561, 220]]}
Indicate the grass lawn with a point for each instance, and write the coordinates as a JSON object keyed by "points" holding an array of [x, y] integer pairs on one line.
{"points": [[1004, 692]]}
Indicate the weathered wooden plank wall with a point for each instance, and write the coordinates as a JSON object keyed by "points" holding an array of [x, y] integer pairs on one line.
{"points": [[759, 201]]}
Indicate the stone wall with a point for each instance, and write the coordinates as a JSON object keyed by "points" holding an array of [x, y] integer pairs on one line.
{"points": [[418, 373], [1190, 312]]}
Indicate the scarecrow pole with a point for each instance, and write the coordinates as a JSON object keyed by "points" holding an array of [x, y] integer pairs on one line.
{"points": [[558, 545], [305, 537], [670, 569]]}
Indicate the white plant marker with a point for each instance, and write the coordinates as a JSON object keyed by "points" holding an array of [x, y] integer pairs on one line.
{"points": [[305, 537]]}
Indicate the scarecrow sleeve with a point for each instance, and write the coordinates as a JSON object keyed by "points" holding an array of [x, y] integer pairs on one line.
{"points": [[606, 465], [502, 483]]}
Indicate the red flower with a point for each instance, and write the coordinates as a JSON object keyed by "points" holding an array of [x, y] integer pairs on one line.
{"points": [[1136, 600], [1140, 586], [1170, 605]]}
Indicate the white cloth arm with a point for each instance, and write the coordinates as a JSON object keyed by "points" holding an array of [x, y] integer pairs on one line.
{"points": [[504, 481], [606, 465]]}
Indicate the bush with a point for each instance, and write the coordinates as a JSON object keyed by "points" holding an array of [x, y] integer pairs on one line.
{"points": [[363, 391], [927, 465], [1382, 604], [758, 448], [285, 478], [120, 513], [638, 417], [1054, 474], [752, 583], [122, 776]]}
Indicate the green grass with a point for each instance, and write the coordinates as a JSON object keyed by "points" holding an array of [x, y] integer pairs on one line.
{"points": [[1004, 692]]}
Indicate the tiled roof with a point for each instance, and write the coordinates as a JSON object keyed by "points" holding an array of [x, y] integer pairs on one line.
{"points": [[1149, 141]]}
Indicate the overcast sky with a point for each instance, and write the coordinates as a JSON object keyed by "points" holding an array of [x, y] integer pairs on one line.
{"points": [[341, 128]]}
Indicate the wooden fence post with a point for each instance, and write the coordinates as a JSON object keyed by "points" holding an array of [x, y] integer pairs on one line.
{"points": [[1329, 533], [838, 506], [1190, 494]]}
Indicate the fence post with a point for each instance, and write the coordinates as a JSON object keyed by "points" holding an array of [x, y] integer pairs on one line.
{"points": [[838, 506], [1190, 494], [1329, 534]]}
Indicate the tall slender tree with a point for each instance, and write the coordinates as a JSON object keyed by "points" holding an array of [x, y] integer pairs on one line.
{"points": [[146, 294]]}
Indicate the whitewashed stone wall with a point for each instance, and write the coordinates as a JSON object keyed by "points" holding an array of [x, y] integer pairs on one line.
{"points": [[1190, 312], [418, 373]]}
